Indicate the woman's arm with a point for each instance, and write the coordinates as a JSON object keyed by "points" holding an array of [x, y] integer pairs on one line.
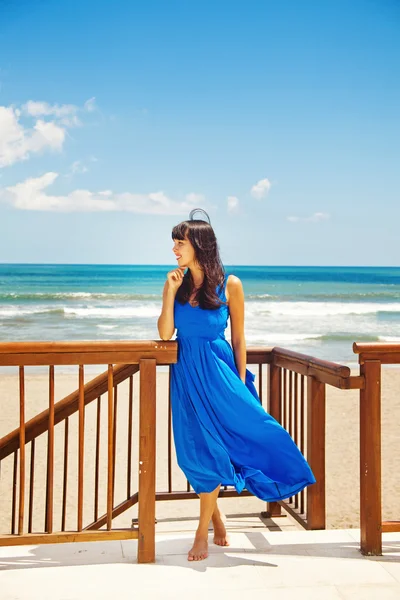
{"points": [[235, 298], [165, 323]]}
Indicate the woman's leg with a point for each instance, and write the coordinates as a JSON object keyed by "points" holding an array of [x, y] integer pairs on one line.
{"points": [[218, 519], [199, 550]]}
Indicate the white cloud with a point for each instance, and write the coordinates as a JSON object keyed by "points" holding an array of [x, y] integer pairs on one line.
{"points": [[44, 109], [32, 195], [233, 204], [78, 167], [90, 105], [18, 143], [48, 131], [260, 189], [318, 216], [195, 199]]}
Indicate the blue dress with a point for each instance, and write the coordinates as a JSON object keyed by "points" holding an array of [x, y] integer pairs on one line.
{"points": [[222, 433]]}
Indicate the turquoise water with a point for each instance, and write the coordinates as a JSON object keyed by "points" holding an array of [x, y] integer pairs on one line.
{"points": [[316, 310]]}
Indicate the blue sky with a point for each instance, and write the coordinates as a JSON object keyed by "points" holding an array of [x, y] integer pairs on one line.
{"points": [[281, 119]]}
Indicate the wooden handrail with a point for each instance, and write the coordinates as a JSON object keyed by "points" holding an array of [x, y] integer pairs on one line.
{"points": [[88, 353], [311, 362], [322, 370], [383, 347], [64, 408], [385, 353], [82, 347], [259, 355]]}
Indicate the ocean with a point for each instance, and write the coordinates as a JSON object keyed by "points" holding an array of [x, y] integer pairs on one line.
{"points": [[315, 310]]}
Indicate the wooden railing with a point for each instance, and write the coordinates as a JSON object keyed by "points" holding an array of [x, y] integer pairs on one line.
{"points": [[297, 399], [371, 357], [291, 386], [293, 391], [139, 357]]}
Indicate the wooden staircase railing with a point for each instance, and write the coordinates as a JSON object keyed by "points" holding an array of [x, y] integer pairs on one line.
{"points": [[297, 399], [291, 385], [57, 422], [64, 408]]}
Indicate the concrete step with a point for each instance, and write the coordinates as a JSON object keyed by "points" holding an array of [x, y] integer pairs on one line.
{"points": [[307, 565]]}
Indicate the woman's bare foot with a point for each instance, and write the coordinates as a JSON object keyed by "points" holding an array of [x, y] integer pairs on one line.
{"points": [[220, 536], [199, 550]]}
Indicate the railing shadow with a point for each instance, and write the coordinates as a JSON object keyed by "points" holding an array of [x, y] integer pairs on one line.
{"points": [[173, 552]]}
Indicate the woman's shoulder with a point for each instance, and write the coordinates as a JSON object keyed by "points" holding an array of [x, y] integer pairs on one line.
{"points": [[234, 287]]}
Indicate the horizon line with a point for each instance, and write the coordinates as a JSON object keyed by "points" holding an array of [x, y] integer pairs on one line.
{"points": [[61, 264]]}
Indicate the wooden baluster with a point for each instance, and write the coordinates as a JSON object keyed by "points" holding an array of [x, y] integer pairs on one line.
{"points": [[260, 382], [130, 426], [302, 423], [169, 432], [14, 492], [114, 437], [316, 452], [97, 460], [275, 410], [21, 451], [147, 461], [284, 373], [296, 425], [81, 446], [65, 474], [31, 485], [370, 459], [110, 475], [50, 456], [290, 429]]}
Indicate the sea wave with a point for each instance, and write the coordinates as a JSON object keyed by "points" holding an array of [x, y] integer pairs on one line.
{"points": [[314, 297], [320, 309], [254, 310], [89, 312], [11, 312], [116, 312], [57, 296], [278, 338]]}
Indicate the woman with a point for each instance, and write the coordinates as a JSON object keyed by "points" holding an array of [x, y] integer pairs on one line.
{"points": [[223, 436]]}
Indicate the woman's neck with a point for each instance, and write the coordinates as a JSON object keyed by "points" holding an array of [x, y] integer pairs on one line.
{"points": [[197, 276]]}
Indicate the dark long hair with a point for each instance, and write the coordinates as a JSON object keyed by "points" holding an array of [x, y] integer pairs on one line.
{"points": [[202, 237]]}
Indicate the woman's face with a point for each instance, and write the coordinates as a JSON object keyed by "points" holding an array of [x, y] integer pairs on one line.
{"points": [[184, 252]]}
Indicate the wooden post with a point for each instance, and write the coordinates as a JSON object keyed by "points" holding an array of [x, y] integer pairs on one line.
{"points": [[147, 461], [274, 408], [370, 459], [316, 452]]}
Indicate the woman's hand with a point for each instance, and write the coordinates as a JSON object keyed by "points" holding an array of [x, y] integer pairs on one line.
{"points": [[166, 325], [175, 278]]}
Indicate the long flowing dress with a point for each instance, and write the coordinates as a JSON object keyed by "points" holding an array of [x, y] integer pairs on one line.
{"points": [[222, 433]]}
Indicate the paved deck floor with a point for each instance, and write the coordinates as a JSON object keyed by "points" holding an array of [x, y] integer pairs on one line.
{"points": [[266, 560]]}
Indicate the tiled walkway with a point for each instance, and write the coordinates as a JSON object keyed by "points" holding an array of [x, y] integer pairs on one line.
{"points": [[261, 563]]}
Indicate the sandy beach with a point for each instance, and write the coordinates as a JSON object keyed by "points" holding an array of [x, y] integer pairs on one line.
{"points": [[342, 443]]}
